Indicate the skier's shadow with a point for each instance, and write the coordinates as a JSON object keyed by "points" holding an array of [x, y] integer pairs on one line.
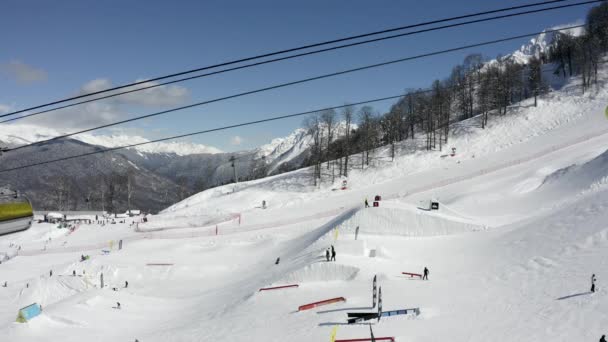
{"points": [[575, 295]]}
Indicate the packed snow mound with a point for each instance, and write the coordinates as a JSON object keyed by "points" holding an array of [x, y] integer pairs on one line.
{"points": [[321, 271], [579, 177], [50, 290], [406, 221]]}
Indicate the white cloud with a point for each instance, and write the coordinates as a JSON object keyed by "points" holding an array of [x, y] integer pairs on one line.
{"points": [[170, 95], [113, 109], [23, 73], [236, 140], [5, 108], [83, 116]]}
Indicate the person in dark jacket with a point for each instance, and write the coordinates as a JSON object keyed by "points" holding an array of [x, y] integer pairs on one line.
{"points": [[333, 253], [327, 254], [603, 339], [425, 275], [593, 283], [126, 284], [366, 203]]}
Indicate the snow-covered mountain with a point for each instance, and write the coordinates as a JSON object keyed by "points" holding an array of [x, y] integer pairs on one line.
{"points": [[284, 150], [19, 134], [293, 148], [541, 43]]}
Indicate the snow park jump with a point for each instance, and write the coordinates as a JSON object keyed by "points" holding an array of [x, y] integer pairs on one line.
{"points": [[278, 287], [28, 312], [320, 303]]}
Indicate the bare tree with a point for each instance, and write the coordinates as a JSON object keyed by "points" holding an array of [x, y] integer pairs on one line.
{"points": [[130, 187], [366, 127], [313, 125], [535, 81], [347, 115], [328, 119]]}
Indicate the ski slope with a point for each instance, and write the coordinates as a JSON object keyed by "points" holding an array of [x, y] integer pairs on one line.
{"points": [[522, 225]]}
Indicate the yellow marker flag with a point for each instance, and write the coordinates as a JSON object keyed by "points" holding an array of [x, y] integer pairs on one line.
{"points": [[334, 331], [606, 112], [336, 234], [111, 244]]}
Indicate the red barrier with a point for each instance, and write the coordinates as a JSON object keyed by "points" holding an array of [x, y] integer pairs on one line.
{"points": [[278, 287], [323, 302], [412, 274], [368, 339]]}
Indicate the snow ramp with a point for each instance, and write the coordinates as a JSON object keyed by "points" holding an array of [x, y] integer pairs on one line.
{"points": [[321, 271], [578, 177], [407, 221]]}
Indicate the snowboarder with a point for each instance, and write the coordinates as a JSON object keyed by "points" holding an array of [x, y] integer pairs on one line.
{"points": [[73, 273], [278, 261], [603, 339], [50, 273], [126, 284], [327, 254], [366, 203], [118, 305], [593, 283], [333, 253], [426, 274]]}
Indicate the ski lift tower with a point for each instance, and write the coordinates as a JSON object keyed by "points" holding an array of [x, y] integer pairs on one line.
{"points": [[232, 161]]}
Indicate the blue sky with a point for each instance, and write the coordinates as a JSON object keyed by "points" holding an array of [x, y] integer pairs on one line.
{"points": [[52, 49]]}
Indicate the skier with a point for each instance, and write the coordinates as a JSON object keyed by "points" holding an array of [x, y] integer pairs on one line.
{"points": [[126, 284], [73, 273], [264, 204], [50, 273], [593, 283], [426, 274], [603, 339], [327, 254], [333, 253], [118, 305], [366, 203]]}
